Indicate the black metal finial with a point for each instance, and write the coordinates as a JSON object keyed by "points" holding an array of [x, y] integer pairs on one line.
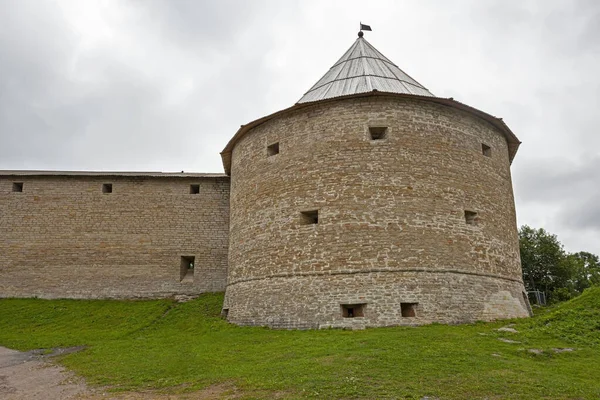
{"points": [[360, 34]]}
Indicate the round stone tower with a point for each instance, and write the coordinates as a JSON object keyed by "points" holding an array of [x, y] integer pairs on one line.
{"points": [[371, 202]]}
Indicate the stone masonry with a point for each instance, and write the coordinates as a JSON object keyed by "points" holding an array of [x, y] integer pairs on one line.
{"points": [[370, 202], [62, 237], [393, 217]]}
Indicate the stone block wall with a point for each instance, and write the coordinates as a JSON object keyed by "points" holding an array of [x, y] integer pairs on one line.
{"points": [[395, 220], [315, 301], [62, 237]]}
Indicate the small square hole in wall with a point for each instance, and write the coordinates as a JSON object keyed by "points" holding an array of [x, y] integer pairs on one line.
{"points": [[486, 150], [309, 217], [186, 268], [107, 188], [470, 217], [194, 189], [273, 149], [353, 310], [409, 309], [17, 187], [377, 132]]}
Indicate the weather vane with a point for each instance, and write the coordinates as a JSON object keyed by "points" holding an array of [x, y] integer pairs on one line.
{"points": [[363, 27]]}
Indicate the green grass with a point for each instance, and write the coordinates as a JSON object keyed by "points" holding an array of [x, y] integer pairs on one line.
{"points": [[576, 321], [140, 345]]}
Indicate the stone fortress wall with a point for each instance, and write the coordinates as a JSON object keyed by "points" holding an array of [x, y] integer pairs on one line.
{"points": [[369, 210], [63, 235], [370, 202], [389, 209]]}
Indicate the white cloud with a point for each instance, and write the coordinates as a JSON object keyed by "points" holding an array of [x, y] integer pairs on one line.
{"points": [[163, 85]]}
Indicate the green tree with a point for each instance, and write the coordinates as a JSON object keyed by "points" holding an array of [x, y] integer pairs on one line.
{"points": [[586, 270], [548, 268], [542, 258]]}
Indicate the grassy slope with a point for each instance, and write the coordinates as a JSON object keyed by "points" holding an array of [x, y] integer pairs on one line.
{"points": [[160, 344], [576, 321]]}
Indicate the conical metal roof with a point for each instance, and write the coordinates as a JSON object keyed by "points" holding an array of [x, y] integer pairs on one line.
{"points": [[363, 69]]}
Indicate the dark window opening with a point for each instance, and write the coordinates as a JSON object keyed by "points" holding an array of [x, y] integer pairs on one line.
{"points": [[486, 150], [194, 189], [107, 188], [353, 310], [17, 187], [409, 309], [377, 132], [310, 217], [470, 217], [186, 270], [225, 313], [273, 149]]}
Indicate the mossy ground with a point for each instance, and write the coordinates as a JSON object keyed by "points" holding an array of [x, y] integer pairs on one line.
{"points": [[160, 344]]}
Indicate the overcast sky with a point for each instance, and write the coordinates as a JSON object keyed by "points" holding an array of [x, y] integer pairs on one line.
{"points": [[153, 85]]}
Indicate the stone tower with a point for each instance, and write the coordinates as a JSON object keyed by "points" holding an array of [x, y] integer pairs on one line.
{"points": [[371, 202]]}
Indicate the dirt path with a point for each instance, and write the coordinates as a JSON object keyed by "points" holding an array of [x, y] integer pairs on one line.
{"points": [[29, 375]]}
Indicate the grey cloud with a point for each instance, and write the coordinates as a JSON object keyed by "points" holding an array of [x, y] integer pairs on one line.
{"points": [[573, 28], [551, 180], [33, 58], [583, 215], [177, 78], [212, 24], [571, 188], [117, 117]]}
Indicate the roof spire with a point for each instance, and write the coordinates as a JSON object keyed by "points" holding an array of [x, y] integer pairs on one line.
{"points": [[363, 69]]}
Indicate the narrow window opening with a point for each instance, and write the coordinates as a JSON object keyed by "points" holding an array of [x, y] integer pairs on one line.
{"points": [[353, 310], [225, 313], [273, 149], [409, 309], [470, 217], [194, 189], [107, 188], [486, 150], [187, 268], [309, 217], [377, 132], [17, 187]]}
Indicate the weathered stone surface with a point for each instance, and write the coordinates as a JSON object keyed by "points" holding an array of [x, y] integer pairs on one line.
{"points": [[391, 218], [563, 350], [508, 340], [63, 238], [313, 301], [508, 329], [416, 227]]}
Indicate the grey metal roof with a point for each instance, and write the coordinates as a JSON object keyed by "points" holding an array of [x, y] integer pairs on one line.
{"points": [[363, 69], [151, 174]]}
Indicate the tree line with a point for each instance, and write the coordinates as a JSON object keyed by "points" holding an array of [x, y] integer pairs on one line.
{"points": [[547, 267]]}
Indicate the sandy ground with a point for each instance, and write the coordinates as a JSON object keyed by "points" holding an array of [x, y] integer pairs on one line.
{"points": [[27, 376], [31, 375]]}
